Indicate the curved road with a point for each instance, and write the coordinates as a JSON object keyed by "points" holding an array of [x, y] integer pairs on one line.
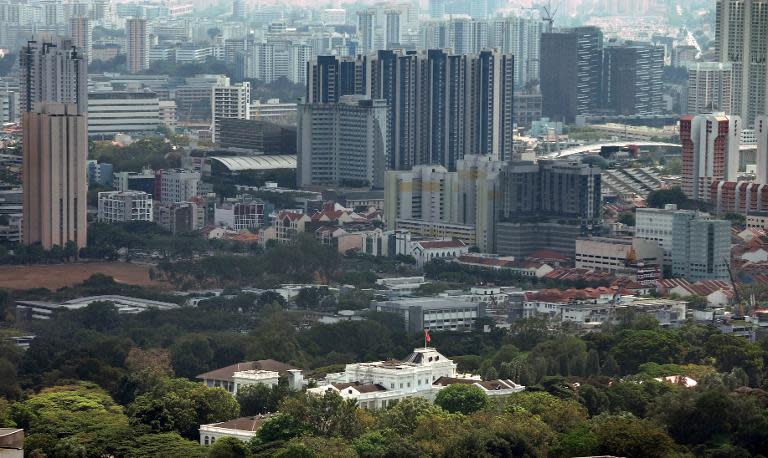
{"points": [[597, 146]]}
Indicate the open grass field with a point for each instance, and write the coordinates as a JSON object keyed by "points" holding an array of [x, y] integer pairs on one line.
{"points": [[60, 275]]}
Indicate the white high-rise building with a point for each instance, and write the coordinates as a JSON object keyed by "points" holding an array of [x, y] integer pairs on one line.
{"points": [[137, 44], [710, 151], [741, 37], [519, 35], [710, 87], [81, 31], [178, 185], [231, 101], [121, 206], [300, 55]]}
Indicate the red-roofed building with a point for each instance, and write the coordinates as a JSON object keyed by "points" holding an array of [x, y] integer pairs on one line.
{"points": [[522, 268], [718, 292]]}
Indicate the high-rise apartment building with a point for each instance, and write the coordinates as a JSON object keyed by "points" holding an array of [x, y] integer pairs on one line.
{"points": [[462, 35], [710, 151], [571, 72], [53, 70], [444, 106], [710, 87], [55, 175], [632, 79], [741, 34], [331, 77], [137, 44], [519, 35], [239, 10], [230, 101], [81, 31], [344, 143]]}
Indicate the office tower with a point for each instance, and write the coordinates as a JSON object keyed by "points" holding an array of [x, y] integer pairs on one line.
{"points": [[344, 143], [761, 131], [366, 31], [701, 248], [239, 10], [112, 112], [436, 9], [53, 70], [444, 106], [571, 72], [710, 87], [137, 44], [710, 151], [741, 34], [521, 37], [55, 181], [393, 28], [330, 77], [81, 31], [546, 205], [229, 101], [632, 79], [429, 200]]}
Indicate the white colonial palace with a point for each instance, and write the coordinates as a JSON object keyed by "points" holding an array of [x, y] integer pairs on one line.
{"points": [[423, 373]]}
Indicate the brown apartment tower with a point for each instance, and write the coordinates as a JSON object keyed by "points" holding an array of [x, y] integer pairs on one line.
{"points": [[55, 182]]}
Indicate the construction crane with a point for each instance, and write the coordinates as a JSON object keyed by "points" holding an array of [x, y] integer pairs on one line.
{"points": [[549, 15], [736, 294]]}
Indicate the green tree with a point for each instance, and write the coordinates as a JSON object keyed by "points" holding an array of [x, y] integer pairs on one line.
{"points": [[631, 437], [638, 347], [627, 218], [163, 444], [561, 415], [259, 399], [280, 427], [461, 398], [731, 352], [403, 417], [328, 415], [229, 447], [178, 405], [83, 415]]}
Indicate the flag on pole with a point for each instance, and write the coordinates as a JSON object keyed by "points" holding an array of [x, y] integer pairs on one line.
{"points": [[427, 337]]}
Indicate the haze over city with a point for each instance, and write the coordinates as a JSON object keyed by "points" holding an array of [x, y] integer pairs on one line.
{"points": [[400, 228]]}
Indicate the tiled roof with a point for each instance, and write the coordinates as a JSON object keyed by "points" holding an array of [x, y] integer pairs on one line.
{"points": [[548, 254], [362, 388], [701, 288], [226, 373], [437, 244], [244, 423]]}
